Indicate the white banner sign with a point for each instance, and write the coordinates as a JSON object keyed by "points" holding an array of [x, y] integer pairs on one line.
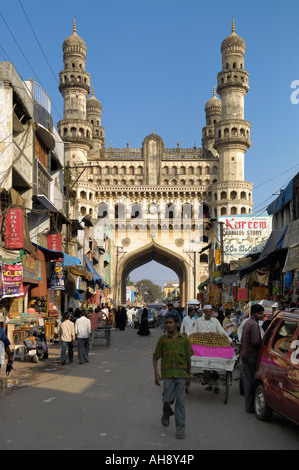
{"points": [[244, 235]]}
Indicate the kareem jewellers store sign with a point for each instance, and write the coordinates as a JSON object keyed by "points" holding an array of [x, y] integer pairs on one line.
{"points": [[243, 235]]}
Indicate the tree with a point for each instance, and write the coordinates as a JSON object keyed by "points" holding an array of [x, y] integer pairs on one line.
{"points": [[148, 291]]}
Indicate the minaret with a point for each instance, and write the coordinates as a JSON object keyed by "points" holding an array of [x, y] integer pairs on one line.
{"points": [[74, 86], [94, 116], [231, 194], [213, 115]]}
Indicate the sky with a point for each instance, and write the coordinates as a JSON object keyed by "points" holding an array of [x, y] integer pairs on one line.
{"points": [[153, 64]]}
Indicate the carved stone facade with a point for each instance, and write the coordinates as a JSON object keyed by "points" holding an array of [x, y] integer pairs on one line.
{"points": [[157, 200]]}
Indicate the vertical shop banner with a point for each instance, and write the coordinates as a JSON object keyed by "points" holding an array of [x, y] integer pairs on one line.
{"points": [[57, 275], [14, 238], [11, 280], [54, 241]]}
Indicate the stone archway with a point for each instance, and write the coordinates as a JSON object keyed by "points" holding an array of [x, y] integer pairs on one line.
{"points": [[151, 252]]}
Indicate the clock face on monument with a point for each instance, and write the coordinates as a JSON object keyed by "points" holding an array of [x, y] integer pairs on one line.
{"points": [[153, 208]]}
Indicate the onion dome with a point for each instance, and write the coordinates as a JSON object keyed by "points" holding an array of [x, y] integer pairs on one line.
{"points": [[213, 102], [74, 40], [233, 40], [92, 102]]}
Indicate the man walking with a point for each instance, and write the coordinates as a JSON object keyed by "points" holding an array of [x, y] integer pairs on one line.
{"points": [[250, 345], [83, 332], [94, 317], [66, 332], [175, 352], [188, 323]]}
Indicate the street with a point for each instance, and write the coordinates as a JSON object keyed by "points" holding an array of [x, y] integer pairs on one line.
{"points": [[111, 403]]}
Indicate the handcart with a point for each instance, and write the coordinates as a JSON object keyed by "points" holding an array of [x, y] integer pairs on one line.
{"points": [[212, 370], [105, 328], [213, 361], [106, 335]]}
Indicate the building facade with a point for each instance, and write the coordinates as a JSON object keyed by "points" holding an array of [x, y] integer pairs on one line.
{"points": [[156, 200]]}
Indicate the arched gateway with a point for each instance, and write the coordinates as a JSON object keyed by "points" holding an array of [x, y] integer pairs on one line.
{"points": [[151, 252]]}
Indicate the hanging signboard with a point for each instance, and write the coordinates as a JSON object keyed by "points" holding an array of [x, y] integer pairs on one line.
{"points": [[57, 276], [11, 280], [54, 241], [243, 235], [14, 238]]}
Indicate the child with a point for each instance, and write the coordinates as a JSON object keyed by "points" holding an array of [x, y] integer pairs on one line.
{"points": [[175, 351]]}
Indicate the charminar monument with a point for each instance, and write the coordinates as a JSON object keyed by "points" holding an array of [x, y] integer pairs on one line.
{"points": [[158, 201]]}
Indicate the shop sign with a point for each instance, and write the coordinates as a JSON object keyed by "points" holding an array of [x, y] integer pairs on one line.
{"points": [[11, 280], [130, 294], [57, 276], [32, 269], [244, 235], [54, 241], [14, 238]]}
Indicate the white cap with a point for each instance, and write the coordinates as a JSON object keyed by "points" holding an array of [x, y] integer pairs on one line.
{"points": [[207, 306]]}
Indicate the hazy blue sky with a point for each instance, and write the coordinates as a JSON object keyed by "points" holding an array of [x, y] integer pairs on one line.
{"points": [[153, 64]]}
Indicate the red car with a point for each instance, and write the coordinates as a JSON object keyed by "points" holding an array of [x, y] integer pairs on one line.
{"points": [[277, 381]]}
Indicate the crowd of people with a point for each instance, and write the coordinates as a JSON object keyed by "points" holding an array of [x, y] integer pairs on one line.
{"points": [[175, 351]]}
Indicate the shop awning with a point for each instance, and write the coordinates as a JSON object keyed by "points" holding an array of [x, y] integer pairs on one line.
{"points": [[55, 255], [282, 200], [292, 259], [204, 283], [272, 247], [95, 275]]}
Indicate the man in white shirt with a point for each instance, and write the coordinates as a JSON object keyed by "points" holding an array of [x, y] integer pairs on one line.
{"points": [[207, 323], [83, 333], [163, 312], [188, 323]]}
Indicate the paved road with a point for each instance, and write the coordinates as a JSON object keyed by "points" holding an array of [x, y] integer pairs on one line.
{"points": [[112, 404]]}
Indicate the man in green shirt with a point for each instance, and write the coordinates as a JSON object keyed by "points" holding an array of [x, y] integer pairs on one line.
{"points": [[175, 351]]}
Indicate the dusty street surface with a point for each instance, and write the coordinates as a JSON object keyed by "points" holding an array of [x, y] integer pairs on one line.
{"points": [[111, 403]]}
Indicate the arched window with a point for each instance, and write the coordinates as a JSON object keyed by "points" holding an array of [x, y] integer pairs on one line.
{"points": [[187, 211], [170, 211], [120, 211], [223, 211], [223, 195], [136, 211], [233, 211]]}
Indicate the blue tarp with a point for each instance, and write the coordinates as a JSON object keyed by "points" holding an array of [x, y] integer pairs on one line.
{"points": [[95, 275], [67, 259], [282, 200]]}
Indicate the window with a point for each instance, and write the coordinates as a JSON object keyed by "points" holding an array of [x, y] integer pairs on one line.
{"points": [[269, 332], [284, 336]]}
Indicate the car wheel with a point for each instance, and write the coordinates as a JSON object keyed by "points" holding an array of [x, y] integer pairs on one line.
{"points": [[262, 410]]}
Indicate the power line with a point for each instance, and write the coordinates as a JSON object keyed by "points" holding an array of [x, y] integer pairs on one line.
{"points": [[38, 42]]}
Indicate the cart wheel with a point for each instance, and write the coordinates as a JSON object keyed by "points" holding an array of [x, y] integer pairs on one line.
{"points": [[227, 383]]}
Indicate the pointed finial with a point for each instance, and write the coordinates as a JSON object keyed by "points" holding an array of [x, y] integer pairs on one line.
{"points": [[214, 92], [92, 92], [233, 25], [74, 27], [153, 130]]}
